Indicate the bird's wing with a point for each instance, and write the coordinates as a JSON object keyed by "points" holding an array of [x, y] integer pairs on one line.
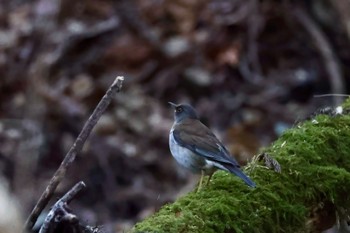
{"points": [[198, 138]]}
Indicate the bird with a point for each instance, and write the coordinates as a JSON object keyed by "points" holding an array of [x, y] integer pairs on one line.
{"points": [[195, 147]]}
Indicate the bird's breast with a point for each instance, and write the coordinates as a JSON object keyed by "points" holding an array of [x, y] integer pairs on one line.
{"points": [[186, 157]]}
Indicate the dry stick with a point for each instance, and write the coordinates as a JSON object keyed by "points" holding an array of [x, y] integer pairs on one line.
{"points": [[74, 150], [330, 94], [324, 47], [60, 205]]}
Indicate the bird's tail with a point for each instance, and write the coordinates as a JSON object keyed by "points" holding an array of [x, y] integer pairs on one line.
{"points": [[238, 172]]}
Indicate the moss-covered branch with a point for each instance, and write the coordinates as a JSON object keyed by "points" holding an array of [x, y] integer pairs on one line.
{"points": [[315, 161]]}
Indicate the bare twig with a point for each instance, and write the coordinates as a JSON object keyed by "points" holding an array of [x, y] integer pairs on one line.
{"points": [[269, 162], [327, 95], [74, 150], [322, 44], [60, 207]]}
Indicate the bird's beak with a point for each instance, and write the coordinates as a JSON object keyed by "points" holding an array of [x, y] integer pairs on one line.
{"points": [[172, 104]]}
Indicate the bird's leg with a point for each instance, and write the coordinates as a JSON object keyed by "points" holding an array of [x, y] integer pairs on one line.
{"points": [[201, 180], [211, 174]]}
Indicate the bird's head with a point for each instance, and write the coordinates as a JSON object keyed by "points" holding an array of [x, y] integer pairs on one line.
{"points": [[183, 111]]}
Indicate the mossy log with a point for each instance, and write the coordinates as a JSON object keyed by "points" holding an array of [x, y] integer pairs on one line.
{"points": [[313, 186]]}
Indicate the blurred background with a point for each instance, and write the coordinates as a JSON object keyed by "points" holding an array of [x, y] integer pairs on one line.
{"points": [[251, 69]]}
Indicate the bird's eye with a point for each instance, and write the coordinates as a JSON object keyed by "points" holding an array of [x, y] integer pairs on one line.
{"points": [[179, 109]]}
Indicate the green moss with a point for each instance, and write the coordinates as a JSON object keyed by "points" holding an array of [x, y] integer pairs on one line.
{"points": [[315, 162], [346, 103]]}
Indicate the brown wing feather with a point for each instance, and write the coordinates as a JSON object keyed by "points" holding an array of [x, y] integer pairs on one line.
{"points": [[198, 138]]}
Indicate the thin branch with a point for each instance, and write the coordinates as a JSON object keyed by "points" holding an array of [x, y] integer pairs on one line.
{"points": [[74, 150], [328, 95], [322, 44], [60, 205]]}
